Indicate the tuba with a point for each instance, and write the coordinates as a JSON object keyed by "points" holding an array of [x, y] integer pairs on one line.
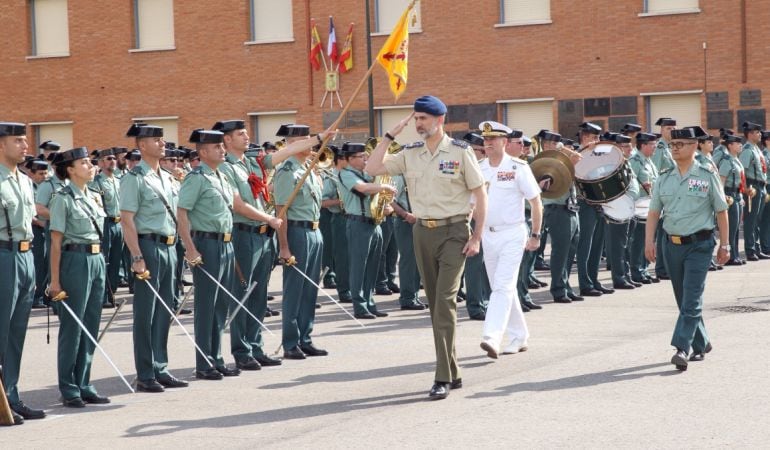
{"points": [[381, 199]]}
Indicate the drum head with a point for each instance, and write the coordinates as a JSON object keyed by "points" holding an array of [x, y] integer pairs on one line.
{"points": [[599, 162], [620, 210]]}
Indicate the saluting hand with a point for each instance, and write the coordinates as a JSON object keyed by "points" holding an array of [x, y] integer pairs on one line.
{"points": [[401, 125]]}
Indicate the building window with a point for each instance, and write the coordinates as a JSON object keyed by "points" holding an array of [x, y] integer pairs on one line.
{"points": [[387, 13], [271, 21], [170, 127], [530, 116], [661, 7], [389, 117], [60, 132], [50, 28], [154, 25], [524, 12], [685, 108], [266, 124]]}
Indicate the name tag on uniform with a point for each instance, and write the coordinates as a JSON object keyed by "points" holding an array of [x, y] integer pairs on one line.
{"points": [[448, 167], [698, 186], [506, 176]]}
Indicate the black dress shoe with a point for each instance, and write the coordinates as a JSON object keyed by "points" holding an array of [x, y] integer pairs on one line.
{"points": [[28, 413], [383, 291], [184, 311], [700, 356], [562, 300], [248, 364], [478, 316], [17, 419], [752, 257], [743, 261], [461, 294], [524, 307], [733, 262], [664, 277], [149, 386], [456, 384], [312, 350], [439, 391], [270, 297], [96, 399], [575, 298], [655, 279], [394, 288], [330, 285], [761, 255], [317, 306], [605, 290], [75, 402], [228, 372], [366, 315], [108, 305], [532, 305], [276, 313], [413, 307], [680, 360], [268, 361], [542, 266], [533, 285], [719, 267], [186, 283], [623, 285], [644, 281], [380, 314], [208, 374], [172, 382], [346, 299], [712, 268], [293, 353], [539, 281], [636, 284], [590, 292]]}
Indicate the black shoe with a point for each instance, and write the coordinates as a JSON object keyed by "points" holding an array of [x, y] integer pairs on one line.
{"points": [[623, 285], [591, 292], [761, 255], [366, 315], [664, 277], [562, 300], [575, 298], [228, 372], [346, 299], [413, 307], [330, 285], [248, 364], [605, 290], [186, 283], [275, 312], [743, 261], [719, 267], [122, 283], [460, 299], [532, 305], [96, 400], [184, 311], [542, 266], [733, 262], [636, 284], [478, 316], [533, 285], [317, 306], [538, 281], [149, 386], [439, 391], [394, 288], [170, 381], [28, 413], [680, 360], [698, 356], [644, 281], [17, 419], [456, 384], [380, 314], [270, 297], [108, 305], [524, 307], [461, 294], [208, 374], [268, 361], [383, 291], [655, 279], [76, 402], [39, 306], [293, 353], [712, 268], [312, 350]]}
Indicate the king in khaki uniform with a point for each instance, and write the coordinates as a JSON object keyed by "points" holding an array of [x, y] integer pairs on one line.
{"points": [[691, 195], [17, 276], [149, 198], [441, 174]]}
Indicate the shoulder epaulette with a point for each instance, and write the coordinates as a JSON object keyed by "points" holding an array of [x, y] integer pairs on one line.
{"points": [[197, 170], [137, 170], [89, 188], [66, 190], [665, 171], [519, 161], [707, 167], [460, 143], [415, 145]]}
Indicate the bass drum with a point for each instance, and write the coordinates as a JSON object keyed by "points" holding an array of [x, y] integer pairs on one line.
{"points": [[602, 175], [620, 210], [642, 208]]}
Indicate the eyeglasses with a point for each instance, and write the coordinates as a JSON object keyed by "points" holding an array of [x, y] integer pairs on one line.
{"points": [[680, 145], [171, 160], [109, 158]]}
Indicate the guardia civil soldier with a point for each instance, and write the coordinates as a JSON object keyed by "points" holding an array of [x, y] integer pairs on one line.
{"points": [[691, 195], [205, 224], [476, 280], [77, 268], [149, 198], [764, 222], [441, 173], [733, 177], [332, 202], [721, 149], [408, 274], [519, 148], [663, 161], [326, 224], [37, 169], [646, 173], [17, 276], [43, 195], [107, 185], [363, 232], [756, 179]]}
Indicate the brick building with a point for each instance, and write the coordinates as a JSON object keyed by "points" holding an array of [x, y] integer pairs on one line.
{"points": [[80, 71]]}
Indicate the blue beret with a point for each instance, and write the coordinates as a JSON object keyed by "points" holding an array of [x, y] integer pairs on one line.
{"points": [[429, 104]]}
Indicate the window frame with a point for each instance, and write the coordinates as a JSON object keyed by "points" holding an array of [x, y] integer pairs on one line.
{"points": [[376, 29], [524, 23], [137, 44], [647, 13], [33, 35], [253, 29]]}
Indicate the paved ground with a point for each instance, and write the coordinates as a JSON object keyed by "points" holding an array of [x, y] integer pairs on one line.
{"points": [[596, 375]]}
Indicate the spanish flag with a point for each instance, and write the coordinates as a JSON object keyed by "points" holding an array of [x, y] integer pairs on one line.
{"points": [[316, 51], [394, 55], [346, 56]]}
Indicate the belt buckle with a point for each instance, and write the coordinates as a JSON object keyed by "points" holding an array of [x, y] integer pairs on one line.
{"points": [[315, 225], [676, 240], [227, 237], [24, 246], [116, 219], [170, 240], [430, 223], [262, 229], [95, 249]]}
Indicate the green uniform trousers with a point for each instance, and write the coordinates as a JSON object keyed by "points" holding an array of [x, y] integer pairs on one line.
{"points": [[386, 273], [112, 249], [638, 261], [151, 319], [590, 245], [364, 248], [210, 302], [17, 285], [688, 265], [299, 296], [40, 254], [527, 267], [751, 220], [340, 239], [327, 258], [563, 227], [441, 263], [82, 276], [617, 243], [408, 275], [254, 255], [660, 239], [477, 289], [764, 230], [734, 213]]}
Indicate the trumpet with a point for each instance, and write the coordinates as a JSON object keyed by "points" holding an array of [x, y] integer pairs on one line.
{"points": [[326, 160], [382, 199]]}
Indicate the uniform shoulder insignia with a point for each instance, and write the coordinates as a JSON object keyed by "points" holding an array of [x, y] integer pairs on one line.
{"points": [[197, 170], [66, 190], [95, 191], [417, 144], [706, 166], [460, 143], [137, 170], [665, 171]]}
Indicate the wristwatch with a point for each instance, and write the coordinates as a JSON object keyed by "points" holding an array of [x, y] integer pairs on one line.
{"points": [[137, 258], [725, 247], [535, 235]]}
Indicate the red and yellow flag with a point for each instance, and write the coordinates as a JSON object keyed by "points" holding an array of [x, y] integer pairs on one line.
{"points": [[346, 56], [316, 50], [394, 55]]}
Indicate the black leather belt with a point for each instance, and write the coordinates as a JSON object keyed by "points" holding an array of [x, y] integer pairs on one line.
{"points": [[161, 238], [568, 208], [358, 218], [21, 246], [701, 235], [731, 191], [113, 219], [226, 237], [258, 229], [303, 223], [754, 182], [83, 248], [435, 223]]}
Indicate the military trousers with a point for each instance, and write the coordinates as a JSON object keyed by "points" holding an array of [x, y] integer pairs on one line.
{"points": [[342, 268], [386, 272], [477, 287], [751, 221], [17, 281], [617, 244], [112, 248], [638, 261], [151, 319], [364, 248], [564, 230], [254, 256], [327, 258], [764, 230], [441, 262], [299, 296], [688, 266], [590, 245], [40, 254], [211, 302], [408, 275], [82, 276], [660, 239], [734, 213]]}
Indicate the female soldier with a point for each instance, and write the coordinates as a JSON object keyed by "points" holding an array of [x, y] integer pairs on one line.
{"points": [[733, 180]]}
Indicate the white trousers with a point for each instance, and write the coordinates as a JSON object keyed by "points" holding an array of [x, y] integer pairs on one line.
{"points": [[503, 249]]}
